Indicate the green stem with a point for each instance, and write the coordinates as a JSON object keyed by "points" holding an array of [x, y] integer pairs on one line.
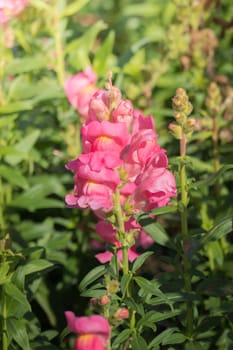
{"points": [[60, 66], [4, 325], [125, 260], [215, 144], [122, 234], [2, 206], [185, 233], [216, 154]]}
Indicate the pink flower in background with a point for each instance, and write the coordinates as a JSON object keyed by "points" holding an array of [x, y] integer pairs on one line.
{"points": [[95, 180], [79, 89], [105, 257], [106, 231], [11, 8], [93, 331], [104, 136]]}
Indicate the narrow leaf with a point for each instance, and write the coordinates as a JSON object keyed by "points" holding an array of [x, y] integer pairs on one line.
{"points": [[74, 8], [213, 178], [37, 265], [140, 261], [122, 337], [138, 343], [156, 231], [16, 294], [220, 229], [18, 330], [92, 276]]}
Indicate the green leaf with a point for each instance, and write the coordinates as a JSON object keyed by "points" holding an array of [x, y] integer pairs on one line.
{"points": [[213, 178], [17, 329], [140, 261], [24, 146], [5, 277], [94, 293], [42, 297], [40, 4], [17, 107], [37, 266], [7, 120], [103, 54], [154, 317], [35, 198], [125, 281], [92, 276], [173, 298], [168, 336], [176, 338], [79, 50], [15, 293], [13, 176], [151, 287], [156, 231], [74, 7], [138, 343], [220, 229], [27, 64], [24, 88], [122, 337], [164, 210]]}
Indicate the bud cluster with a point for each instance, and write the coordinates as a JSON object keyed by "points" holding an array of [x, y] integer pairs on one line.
{"points": [[214, 99], [182, 109]]}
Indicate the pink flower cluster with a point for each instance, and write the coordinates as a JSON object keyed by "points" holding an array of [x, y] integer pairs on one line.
{"points": [[93, 331], [10, 9], [120, 152]]}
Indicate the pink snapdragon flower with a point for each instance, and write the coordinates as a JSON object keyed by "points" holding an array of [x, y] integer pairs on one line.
{"points": [[79, 89], [104, 136], [99, 106], [95, 180], [109, 105], [142, 148], [93, 331], [123, 113], [156, 186], [11, 8], [140, 122]]}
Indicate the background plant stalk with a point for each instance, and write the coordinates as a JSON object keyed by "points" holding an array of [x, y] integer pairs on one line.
{"points": [[185, 233]]}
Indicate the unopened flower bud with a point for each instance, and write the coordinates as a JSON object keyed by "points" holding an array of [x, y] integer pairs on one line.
{"points": [[214, 99], [122, 313], [180, 102], [180, 117], [104, 300], [176, 130], [189, 127], [181, 92]]}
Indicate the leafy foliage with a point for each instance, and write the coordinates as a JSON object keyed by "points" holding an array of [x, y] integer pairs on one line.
{"points": [[46, 250]]}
